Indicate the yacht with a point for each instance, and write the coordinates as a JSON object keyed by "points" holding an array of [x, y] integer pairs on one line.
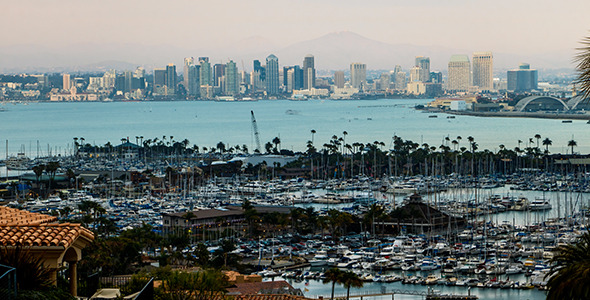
{"points": [[539, 204]]}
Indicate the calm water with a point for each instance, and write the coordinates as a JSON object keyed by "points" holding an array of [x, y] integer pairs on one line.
{"points": [[205, 123]]}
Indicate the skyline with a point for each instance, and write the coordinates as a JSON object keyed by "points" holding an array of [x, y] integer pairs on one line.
{"points": [[155, 33]]}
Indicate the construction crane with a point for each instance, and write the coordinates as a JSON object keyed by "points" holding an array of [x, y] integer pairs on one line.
{"points": [[256, 135]]}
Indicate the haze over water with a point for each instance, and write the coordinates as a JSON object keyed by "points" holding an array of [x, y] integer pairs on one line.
{"points": [[205, 123]]}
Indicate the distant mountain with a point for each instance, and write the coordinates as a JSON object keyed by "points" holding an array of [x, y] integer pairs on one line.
{"points": [[333, 51]]}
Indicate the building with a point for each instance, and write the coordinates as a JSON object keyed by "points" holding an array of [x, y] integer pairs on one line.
{"points": [[399, 76], [384, 81], [159, 81], [436, 77], [523, 79], [205, 71], [272, 75], [218, 73], [459, 70], [358, 75], [415, 74], [188, 61], [423, 65], [308, 72], [339, 79], [483, 70], [193, 81], [67, 83], [418, 217], [170, 79], [232, 83], [293, 78]]}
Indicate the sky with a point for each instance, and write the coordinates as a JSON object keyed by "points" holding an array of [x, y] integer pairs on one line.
{"points": [[536, 27]]}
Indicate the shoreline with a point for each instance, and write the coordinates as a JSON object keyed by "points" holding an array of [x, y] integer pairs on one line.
{"points": [[535, 115]]}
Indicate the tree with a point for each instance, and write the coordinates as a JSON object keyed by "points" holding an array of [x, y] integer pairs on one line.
{"points": [[350, 279], [583, 67], [203, 285], [569, 276], [572, 143], [547, 142], [333, 276]]}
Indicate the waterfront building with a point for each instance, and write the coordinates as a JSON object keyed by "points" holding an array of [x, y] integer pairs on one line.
{"points": [[308, 72], [483, 70], [108, 79], [423, 65], [188, 61], [67, 83], [358, 75], [415, 74], [232, 85], [384, 81], [193, 80], [293, 78], [399, 78], [170, 79], [459, 70], [258, 76], [272, 75], [218, 73], [339, 79], [128, 81], [523, 79], [205, 71], [159, 81]]}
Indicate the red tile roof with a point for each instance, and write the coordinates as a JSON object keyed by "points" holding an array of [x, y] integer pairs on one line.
{"points": [[19, 227], [14, 217]]}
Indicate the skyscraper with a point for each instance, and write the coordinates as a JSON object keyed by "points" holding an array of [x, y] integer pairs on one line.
{"points": [[523, 79], [193, 81], [205, 71], [218, 72], [232, 84], [483, 70], [339, 79], [423, 65], [159, 81], [188, 61], [400, 78], [308, 72], [170, 79], [272, 75], [358, 75], [459, 73], [293, 78], [67, 83]]}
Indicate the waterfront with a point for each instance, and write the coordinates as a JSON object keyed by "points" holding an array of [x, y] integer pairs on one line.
{"points": [[50, 127]]}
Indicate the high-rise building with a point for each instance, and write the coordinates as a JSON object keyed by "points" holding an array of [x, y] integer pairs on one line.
{"points": [[523, 79], [435, 77], [232, 83], [384, 81], [67, 83], [170, 79], [205, 71], [128, 81], [188, 61], [193, 82], [423, 65], [415, 74], [159, 81], [399, 78], [358, 75], [483, 70], [293, 78], [339, 79], [459, 70], [218, 73], [308, 72], [272, 75]]}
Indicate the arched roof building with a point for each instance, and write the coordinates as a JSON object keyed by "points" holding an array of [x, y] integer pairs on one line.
{"points": [[540, 103]]}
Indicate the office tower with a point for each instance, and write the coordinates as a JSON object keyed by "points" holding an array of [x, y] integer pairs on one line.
{"points": [[232, 84], [459, 73], [159, 81], [193, 82], [120, 83], [308, 72], [483, 70], [523, 79], [423, 65], [218, 73], [415, 74], [272, 75], [67, 83], [244, 78], [170, 79], [296, 80], [339, 79], [188, 61], [384, 81], [358, 75], [399, 78], [205, 71], [128, 86], [436, 77]]}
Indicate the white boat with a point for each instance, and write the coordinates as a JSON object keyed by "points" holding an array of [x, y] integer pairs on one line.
{"points": [[539, 204], [319, 260]]}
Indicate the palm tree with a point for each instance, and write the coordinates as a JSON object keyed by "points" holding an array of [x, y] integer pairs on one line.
{"points": [[572, 143], [547, 142], [333, 275], [312, 134], [583, 67], [569, 275], [537, 137], [350, 279]]}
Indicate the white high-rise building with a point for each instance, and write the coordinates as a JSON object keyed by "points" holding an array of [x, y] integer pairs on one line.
{"points": [[483, 70], [358, 75], [423, 65], [459, 73]]}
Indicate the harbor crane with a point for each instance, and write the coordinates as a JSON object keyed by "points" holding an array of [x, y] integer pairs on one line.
{"points": [[256, 135]]}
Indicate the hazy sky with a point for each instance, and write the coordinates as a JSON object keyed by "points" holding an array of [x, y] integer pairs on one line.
{"points": [[515, 26]]}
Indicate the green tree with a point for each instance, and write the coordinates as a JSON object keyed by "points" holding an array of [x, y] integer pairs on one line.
{"points": [[333, 276], [350, 279], [569, 277]]}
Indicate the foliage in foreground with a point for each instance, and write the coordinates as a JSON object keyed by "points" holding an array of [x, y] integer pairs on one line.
{"points": [[569, 277]]}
